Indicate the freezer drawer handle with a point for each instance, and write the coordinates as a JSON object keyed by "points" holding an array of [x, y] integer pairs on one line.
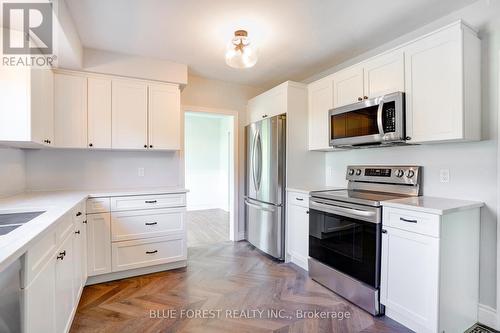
{"points": [[259, 207], [406, 220]]}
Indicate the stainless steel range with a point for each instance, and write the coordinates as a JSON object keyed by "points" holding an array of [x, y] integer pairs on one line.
{"points": [[345, 230]]}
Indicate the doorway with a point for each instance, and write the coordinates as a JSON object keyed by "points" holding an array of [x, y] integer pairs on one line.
{"points": [[209, 159]]}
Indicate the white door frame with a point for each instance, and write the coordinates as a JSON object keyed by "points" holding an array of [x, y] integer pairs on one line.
{"points": [[234, 174]]}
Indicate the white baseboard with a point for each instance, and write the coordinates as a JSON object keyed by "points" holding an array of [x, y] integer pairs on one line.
{"points": [[241, 236], [299, 260], [486, 315]]}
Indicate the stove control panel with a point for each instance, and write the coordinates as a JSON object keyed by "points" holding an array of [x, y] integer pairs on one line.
{"points": [[384, 174]]}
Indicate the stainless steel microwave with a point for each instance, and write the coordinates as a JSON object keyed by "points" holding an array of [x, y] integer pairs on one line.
{"points": [[374, 121]]}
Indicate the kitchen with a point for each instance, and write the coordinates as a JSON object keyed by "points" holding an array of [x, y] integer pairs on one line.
{"points": [[117, 125]]}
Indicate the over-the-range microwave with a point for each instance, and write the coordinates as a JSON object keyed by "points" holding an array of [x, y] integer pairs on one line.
{"points": [[371, 122]]}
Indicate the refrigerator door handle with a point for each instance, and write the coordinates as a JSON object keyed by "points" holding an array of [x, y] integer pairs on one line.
{"points": [[259, 170], [248, 203], [254, 144]]}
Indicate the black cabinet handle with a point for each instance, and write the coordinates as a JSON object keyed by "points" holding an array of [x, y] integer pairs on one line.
{"points": [[307, 212], [84, 222], [299, 199], [152, 252], [91, 145], [63, 253], [77, 232], [150, 201], [60, 257], [79, 214], [384, 231], [145, 146], [406, 220], [264, 116], [360, 99], [150, 146], [151, 223]]}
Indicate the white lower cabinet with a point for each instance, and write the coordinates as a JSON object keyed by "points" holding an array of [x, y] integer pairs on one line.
{"points": [[423, 285], [65, 296], [298, 228], [98, 243]]}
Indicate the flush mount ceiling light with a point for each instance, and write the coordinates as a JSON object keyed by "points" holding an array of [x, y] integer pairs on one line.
{"points": [[240, 52]]}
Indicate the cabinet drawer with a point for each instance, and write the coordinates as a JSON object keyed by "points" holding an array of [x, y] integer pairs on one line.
{"points": [[422, 223], [299, 199], [146, 223], [64, 227], [153, 251], [148, 201], [37, 256], [98, 205]]}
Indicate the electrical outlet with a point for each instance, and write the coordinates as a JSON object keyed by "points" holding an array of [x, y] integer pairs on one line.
{"points": [[444, 175], [140, 172]]}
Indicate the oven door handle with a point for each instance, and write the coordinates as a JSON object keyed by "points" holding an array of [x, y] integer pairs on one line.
{"points": [[341, 210], [380, 112]]}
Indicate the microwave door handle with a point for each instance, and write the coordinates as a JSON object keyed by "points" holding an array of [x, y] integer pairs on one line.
{"points": [[380, 112]]}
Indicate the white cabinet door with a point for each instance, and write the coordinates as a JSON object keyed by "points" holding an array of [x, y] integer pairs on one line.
{"points": [[99, 113], [80, 249], [434, 81], [39, 303], [384, 74], [70, 111], [348, 86], [268, 104], [410, 278], [98, 243], [164, 117], [298, 234], [64, 297], [320, 94], [42, 106], [129, 115]]}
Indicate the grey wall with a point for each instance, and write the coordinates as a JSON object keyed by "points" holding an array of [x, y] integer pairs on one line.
{"points": [[83, 169], [12, 171], [473, 166]]}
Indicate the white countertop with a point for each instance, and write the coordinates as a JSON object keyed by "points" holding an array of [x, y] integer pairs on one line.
{"points": [[432, 205], [308, 189], [55, 204]]}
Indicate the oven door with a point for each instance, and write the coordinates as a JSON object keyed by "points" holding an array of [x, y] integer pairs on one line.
{"points": [[345, 241], [373, 121]]}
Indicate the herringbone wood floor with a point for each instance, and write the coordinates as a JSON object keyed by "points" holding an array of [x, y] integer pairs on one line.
{"points": [[227, 276]]}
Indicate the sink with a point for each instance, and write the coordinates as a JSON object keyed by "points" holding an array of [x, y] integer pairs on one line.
{"points": [[12, 221]]}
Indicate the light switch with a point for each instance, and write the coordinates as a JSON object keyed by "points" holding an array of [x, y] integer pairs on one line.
{"points": [[140, 172]]}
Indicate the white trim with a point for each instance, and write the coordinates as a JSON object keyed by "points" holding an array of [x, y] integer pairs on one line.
{"points": [[241, 235], [299, 260], [497, 325], [234, 233], [486, 315]]}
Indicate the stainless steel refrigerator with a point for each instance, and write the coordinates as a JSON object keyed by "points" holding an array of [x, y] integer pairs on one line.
{"points": [[265, 185]]}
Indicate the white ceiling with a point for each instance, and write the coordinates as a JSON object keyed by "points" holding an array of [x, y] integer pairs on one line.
{"points": [[296, 38]]}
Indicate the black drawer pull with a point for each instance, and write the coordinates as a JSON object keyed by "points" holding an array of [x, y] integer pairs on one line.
{"points": [[85, 222], [79, 214], [299, 199], [60, 257], [63, 253], [152, 252], [77, 232], [151, 223], [151, 201], [406, 220], [384, 231]]}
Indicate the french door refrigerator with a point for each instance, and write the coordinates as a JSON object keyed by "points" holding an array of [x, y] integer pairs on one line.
{"points": [[265, 185]]}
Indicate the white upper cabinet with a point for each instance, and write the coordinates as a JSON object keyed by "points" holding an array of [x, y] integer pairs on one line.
{"points": [[99, 113], [268, 104], [443, 86], [26, 106], [384, 74], [348, 86], [164, 117], [129, 114], [320, 97], [70, 111]]}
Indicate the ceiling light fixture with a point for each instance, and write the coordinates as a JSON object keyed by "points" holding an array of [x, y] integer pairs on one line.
{"points": [[240, 52]]}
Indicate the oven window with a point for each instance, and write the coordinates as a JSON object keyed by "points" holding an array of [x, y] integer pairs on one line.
{"points": [[345, 244], [355, 123]]}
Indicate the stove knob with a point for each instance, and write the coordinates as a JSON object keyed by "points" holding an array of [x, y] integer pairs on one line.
{"points": [[410, 173], [358, 172], [351, 172], [400, 173]]}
